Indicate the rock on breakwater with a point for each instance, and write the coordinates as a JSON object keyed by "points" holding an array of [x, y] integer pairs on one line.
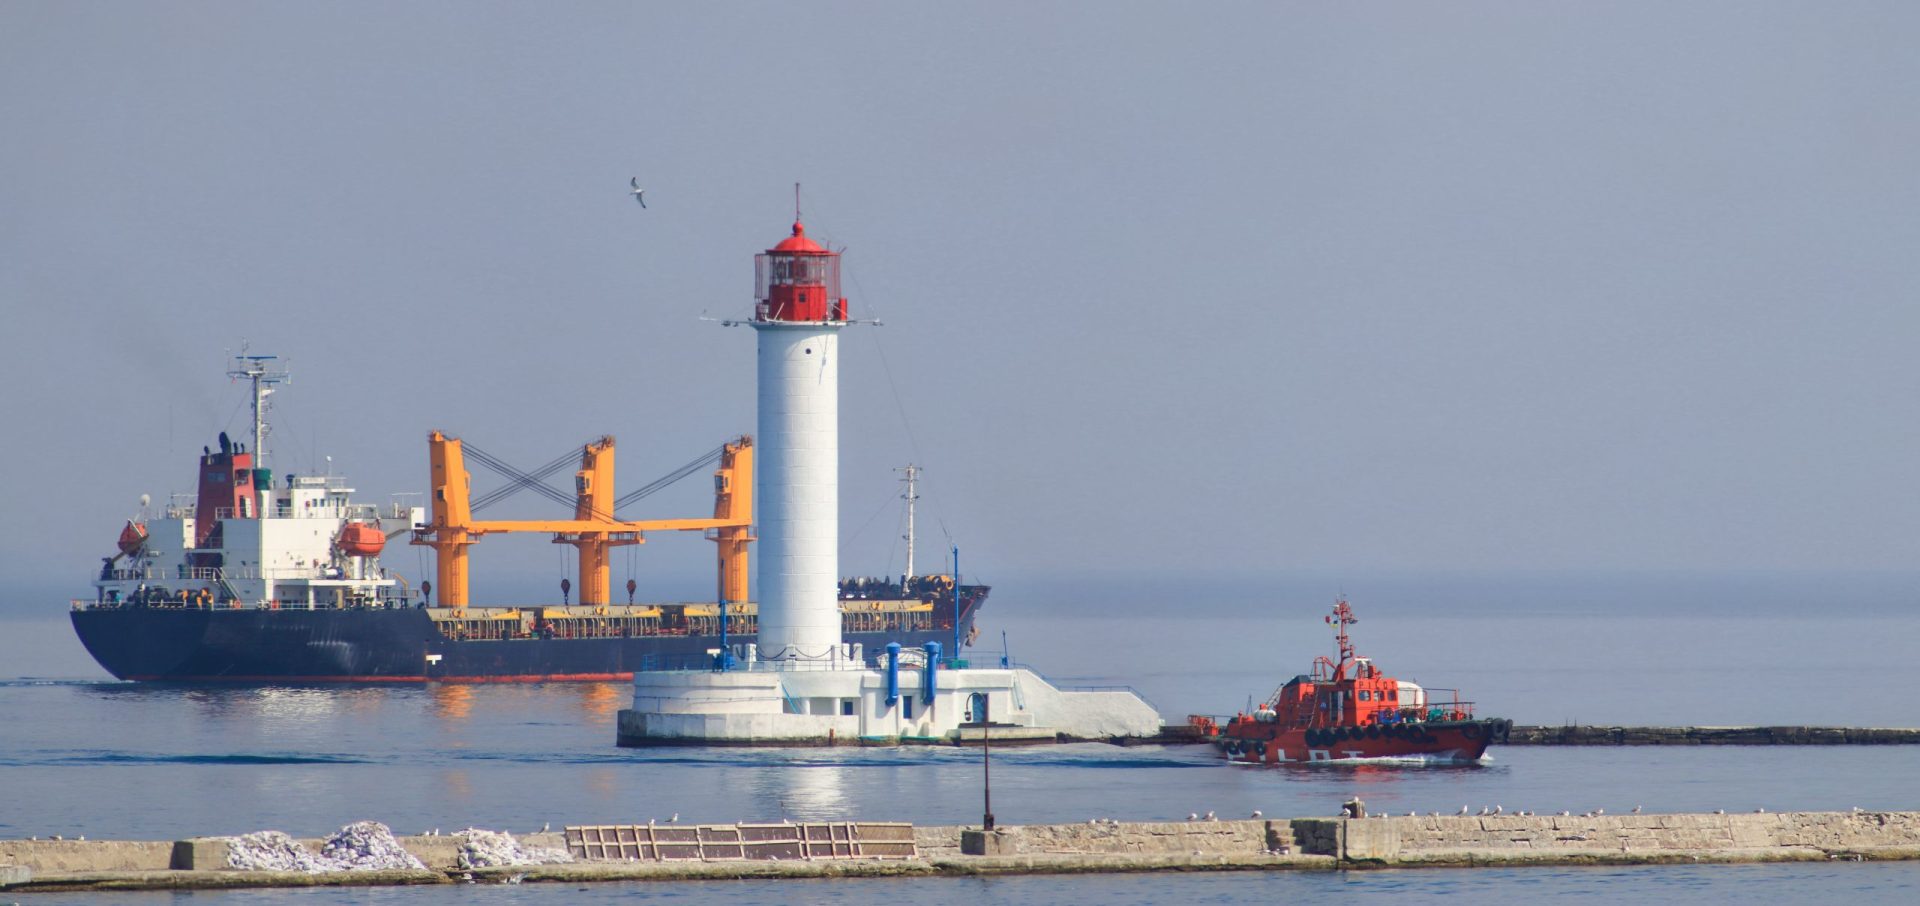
{"points": [[1583, 735]]}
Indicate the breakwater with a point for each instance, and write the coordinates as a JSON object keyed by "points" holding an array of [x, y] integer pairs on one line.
{"points": [[1582, 735], [1098, 846]]}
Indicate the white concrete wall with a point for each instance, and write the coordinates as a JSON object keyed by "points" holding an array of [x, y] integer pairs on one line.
{"points": [[754, 705], [797, 490]]}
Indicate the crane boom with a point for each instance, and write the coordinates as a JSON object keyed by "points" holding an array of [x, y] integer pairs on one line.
{"points": [[592, 531]]}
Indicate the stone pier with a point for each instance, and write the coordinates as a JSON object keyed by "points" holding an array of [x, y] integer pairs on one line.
{"points": [[1275, 844]]}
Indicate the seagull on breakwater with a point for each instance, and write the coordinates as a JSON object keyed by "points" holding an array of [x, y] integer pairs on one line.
{"points": [[675, 819], [1636, 810], [1565, 814], [1497, 809], [1719, 811], [1463, 810], [1193, 816], [1210, 817], [1598, 812], [1256, 813], [546, 826], [639, 194], [1484, 811]]}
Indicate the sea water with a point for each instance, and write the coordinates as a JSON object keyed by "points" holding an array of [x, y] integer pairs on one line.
{"points": [[80, 755]]}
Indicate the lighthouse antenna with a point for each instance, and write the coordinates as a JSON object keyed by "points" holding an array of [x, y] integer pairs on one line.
{"points": [[913, 474], [796, 202]]}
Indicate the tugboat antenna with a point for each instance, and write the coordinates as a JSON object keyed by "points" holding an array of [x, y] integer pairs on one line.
{"points": [[1342, 618], [263, 371]]}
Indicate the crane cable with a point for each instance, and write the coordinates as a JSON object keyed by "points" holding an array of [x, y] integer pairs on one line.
{"points": [[518, 480]]}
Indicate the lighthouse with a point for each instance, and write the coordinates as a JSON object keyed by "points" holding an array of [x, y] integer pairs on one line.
{"points": [[797, 320], [802, 684]]}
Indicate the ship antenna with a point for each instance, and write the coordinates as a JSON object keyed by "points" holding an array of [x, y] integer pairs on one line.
{"points": [[1341, 619], [913, 473], [263, 371]]}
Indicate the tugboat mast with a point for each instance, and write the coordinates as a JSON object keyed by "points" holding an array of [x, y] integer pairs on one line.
{"points": [[264, 371], [1341, 618], [913, 473]]}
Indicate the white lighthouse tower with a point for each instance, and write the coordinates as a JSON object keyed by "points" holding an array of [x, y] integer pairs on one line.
{"points": [[802, 684], [798, 319]]}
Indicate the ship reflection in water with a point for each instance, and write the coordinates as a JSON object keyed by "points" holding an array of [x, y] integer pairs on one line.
{"points": [[451, 701]]}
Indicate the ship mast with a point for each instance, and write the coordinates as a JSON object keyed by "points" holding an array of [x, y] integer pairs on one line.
{"points": [[264, 371], [913, 473], [1341, 618]]}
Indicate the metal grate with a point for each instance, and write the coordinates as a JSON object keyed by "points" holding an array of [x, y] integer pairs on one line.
{"points": [[751, 842]]}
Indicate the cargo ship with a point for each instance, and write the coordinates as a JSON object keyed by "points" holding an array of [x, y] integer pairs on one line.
{"points": [[261, 579], [1348, 710]]}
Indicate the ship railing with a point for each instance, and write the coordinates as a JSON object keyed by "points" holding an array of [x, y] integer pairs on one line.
{"points": [[1431, 711], [135, 573], [1064, 687]]}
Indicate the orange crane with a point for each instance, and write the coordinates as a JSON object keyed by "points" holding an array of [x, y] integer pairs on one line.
{"points": [[593, 530]]}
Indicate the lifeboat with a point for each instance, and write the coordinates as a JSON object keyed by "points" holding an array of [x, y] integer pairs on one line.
{"points": [[359, 539], [1348, 710], [133, 538]]}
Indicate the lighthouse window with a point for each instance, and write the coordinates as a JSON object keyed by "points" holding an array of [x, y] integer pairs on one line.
{"points": [[809, 350]]}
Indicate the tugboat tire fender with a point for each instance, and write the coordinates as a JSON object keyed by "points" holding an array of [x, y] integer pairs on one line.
{"points": [[1471, 731], [1373, 732]]}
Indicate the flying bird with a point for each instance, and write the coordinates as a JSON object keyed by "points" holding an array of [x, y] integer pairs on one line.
{"points": [[639, 194]]}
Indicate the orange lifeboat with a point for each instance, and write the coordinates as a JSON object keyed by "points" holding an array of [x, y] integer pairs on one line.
{"points": [[359, 539], [133, 538]]}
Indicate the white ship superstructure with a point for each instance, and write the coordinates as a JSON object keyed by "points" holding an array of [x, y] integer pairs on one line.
{"points": [[247, 541]]}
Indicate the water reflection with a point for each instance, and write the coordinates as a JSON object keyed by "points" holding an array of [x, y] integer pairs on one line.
{"points": [[602, 701], [805, 792], [452, 702]]}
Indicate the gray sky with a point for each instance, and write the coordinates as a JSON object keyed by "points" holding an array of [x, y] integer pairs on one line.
{"points": [[1231, 290]]}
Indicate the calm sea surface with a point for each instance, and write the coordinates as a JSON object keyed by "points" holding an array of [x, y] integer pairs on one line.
{"points": [[106, 759]]}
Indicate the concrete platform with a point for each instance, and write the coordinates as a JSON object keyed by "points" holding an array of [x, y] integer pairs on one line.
{"points": [[775, 707]]}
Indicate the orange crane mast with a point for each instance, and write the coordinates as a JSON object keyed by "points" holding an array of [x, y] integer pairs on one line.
{"points": [[593, 530]]}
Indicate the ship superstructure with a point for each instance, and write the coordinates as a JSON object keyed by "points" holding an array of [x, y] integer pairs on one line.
{"points": [[248, 541]]}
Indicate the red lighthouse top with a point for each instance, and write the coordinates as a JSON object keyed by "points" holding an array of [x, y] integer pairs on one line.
{"points": [[798, 280]]}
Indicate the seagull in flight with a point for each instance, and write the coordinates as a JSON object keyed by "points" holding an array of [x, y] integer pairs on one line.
{"points": [[639, 194]]}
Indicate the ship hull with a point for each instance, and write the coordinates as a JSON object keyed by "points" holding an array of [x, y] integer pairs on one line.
{"points": [[401, 645], [1445, 741]]}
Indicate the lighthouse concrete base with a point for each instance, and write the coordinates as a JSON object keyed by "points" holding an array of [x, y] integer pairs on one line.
{"points": [[768, 707]]}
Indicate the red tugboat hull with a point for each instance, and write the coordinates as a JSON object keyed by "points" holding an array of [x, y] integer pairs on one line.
{"points": [[1443, 741]]}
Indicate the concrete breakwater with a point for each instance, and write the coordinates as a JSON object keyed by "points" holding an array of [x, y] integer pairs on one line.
{"points": [[1257, 844], [1578, 735]]}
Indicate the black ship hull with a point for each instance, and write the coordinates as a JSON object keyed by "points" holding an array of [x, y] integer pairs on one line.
{"points": [[395, 645]]}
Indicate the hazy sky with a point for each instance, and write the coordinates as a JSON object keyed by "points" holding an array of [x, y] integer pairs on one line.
{"points": [[1168, 289]]}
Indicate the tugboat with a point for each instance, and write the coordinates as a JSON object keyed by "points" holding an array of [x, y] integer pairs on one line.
{"points": [[1348, 710]]}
